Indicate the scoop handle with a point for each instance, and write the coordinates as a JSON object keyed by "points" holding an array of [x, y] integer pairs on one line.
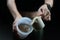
{"points": [[39, 20]]}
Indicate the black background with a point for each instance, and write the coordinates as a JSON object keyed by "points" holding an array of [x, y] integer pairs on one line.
{"points": [[51, 31]]}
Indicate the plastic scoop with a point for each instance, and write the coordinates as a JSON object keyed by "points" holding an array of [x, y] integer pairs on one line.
{"points": [[28, 21]]}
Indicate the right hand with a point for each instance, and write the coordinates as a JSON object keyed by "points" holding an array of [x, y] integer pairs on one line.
{"points": [[14, 23], [14, 26]]}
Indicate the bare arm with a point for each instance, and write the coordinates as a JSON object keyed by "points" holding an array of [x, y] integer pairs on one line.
{"points": [[49, 2], [13, 9]]}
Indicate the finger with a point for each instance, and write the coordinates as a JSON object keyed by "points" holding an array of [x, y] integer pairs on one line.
{"points": [[14, 24], [44, 13], [42, 10], [39, 13], [47, 16], [14, 27]]}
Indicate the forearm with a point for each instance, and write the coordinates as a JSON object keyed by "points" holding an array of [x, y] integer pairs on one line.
{"points": [[13, 9], [49, 2]]}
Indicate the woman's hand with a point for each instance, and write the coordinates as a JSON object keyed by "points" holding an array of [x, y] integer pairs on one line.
{"points": [[45, 12], [14, 23]]}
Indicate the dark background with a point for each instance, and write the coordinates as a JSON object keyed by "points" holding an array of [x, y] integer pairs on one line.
{"points": [[51, 31]]}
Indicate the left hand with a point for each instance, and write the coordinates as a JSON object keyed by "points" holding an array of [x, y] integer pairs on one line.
{"points": [[46, 15]]}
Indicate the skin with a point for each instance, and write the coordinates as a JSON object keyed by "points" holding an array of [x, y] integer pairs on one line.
{"points": [[43, 11]]}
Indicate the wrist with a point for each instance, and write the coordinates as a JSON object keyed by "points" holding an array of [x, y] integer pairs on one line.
{"points": [[50, 2], [17, 16], [48, 6]]}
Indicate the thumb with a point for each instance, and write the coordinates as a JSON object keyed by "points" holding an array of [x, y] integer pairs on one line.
{"points": [[14, 26], [40, 13]]}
